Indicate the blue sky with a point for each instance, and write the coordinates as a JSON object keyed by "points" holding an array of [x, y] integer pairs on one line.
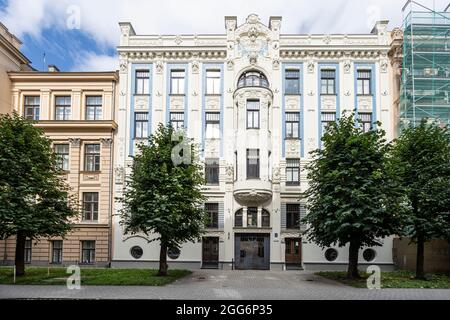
{"points": [[82, 34]]}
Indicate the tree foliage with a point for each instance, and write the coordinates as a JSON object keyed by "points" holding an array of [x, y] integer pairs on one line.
{"points": [[421, 160], [162, 198], [353, 197], [34, 201]]}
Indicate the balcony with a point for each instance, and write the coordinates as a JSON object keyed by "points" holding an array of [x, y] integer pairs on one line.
{"points": [[252, 192]]}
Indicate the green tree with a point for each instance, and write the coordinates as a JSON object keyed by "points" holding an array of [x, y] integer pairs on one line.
{"points": [[352, 196], [421, 158], [163, 196], [34, 201]]}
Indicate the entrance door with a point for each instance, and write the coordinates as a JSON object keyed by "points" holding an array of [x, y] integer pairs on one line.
{"points": [[210, 252], [252, 251], [293, 251]]}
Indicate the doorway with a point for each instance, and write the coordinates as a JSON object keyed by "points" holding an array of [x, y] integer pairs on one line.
{"points": [[210, 252], [293, 254]]}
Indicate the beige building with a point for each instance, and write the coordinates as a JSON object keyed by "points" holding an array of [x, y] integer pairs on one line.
{"points": [[77, 112], [11, 59]]}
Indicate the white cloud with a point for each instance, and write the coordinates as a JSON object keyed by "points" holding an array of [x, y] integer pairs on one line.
{"points": [[94, 62]]}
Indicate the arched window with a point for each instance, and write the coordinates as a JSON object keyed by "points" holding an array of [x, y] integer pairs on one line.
{"points": [[253, 78], [265, 218], [238, 218]]}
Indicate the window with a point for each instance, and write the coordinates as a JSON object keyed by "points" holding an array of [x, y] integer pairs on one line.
{"points": [[87, 252], [213, 215], [177, 120], [212, 171], [292, 125], [62, 108], [252, 114], [136, 252], [292, 216], [292, 82], [173, 253], [252, 163], [212, 129], [62, 156], [142, 82], [363, 82], [366, 121], [212, 81], [177, 82], [27, 253], [238, 218], [331, 254], [252, 79], [92, 157], [90, 206], [94, 108], [141, 125], [369, 255], [328, 81], [265, 218], [252, 216], [327, 118], [57, 247], [292, 172], [32, 108]]}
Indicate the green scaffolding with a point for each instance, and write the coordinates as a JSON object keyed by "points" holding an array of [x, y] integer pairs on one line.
{"points": [[425, 89]]}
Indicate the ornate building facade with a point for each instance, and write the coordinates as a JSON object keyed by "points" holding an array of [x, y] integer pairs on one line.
{"points": [[258, 102], [77, 112]]}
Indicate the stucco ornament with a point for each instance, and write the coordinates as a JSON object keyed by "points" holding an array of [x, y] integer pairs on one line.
{"points": [[230, 171], [195, 66], [230, 65], [159, 67], [310, 66], [347, 66], [123, 64]]}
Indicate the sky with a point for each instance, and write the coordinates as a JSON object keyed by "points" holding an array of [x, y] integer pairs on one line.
{"points": [[82, 35]]}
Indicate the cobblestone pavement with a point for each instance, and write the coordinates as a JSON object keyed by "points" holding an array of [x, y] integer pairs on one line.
{"points": [[229, 285]]}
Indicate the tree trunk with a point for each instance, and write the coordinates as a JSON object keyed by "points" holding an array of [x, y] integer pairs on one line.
{"points": [[420, 273], [20, 254], [163, 260], [352, 271]]}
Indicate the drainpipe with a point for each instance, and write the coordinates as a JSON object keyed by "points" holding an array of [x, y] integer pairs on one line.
{"points": [[111, 177]]}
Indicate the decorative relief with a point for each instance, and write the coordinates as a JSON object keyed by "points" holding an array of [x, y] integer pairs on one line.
{"points": [[178, 40], [365, 103], [328, 102], [90, 177], [123, 65], [310, 67], [347, 66], [195, 67], [75, 142], [176, 103], [276, 64], [230, 65], [229, 171], [384, 65], [106, 142], [159, 67], [141, 102], [326, 39], [292, 103], [120, 172], [212, 103], [276, 173]]}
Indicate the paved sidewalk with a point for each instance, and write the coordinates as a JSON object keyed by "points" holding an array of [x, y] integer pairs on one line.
{"points": [[219, 284]]}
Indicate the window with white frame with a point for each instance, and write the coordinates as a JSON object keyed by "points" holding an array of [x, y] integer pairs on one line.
{"points": [[32, 107], [252, 114], [212, 125], [141, 125], [62, 156], [142, 82], [177, 81], [63, 108], [177, 120], [94, 108], [292, 172], [213, 82], [292, 122], [328, 81], [364, 82]]}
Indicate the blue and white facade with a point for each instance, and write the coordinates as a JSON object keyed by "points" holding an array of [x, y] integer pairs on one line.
{"points": [[257, 102]]}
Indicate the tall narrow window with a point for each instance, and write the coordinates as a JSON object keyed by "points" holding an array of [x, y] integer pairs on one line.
{"points": [[62, 156], [292, 125], [142, 82], [63, 108], [87, 252], [292, 82], [212, 125], [252, 216], [292, 172], [327, 81], [57, 247], [364, 82], [94, 108], [212, 171], [141, 125], [177, 120], [213, 215], [327, 118], [32, 107], [92, 157], [177, 82], [292, 216], [265, 218], [27, 253], [366, 121], [252, 114], [252, 163], [90, 206], [238, 218], [212, 81]]}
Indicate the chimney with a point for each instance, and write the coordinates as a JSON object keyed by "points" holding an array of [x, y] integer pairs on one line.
{"points": [[52, 68]]}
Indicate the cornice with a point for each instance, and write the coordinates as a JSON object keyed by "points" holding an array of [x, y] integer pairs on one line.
{"points": [[63, 76]]}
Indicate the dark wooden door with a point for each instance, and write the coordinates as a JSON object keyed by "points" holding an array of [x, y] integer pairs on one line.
{"points": [[210, 251], [293, 251]]}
